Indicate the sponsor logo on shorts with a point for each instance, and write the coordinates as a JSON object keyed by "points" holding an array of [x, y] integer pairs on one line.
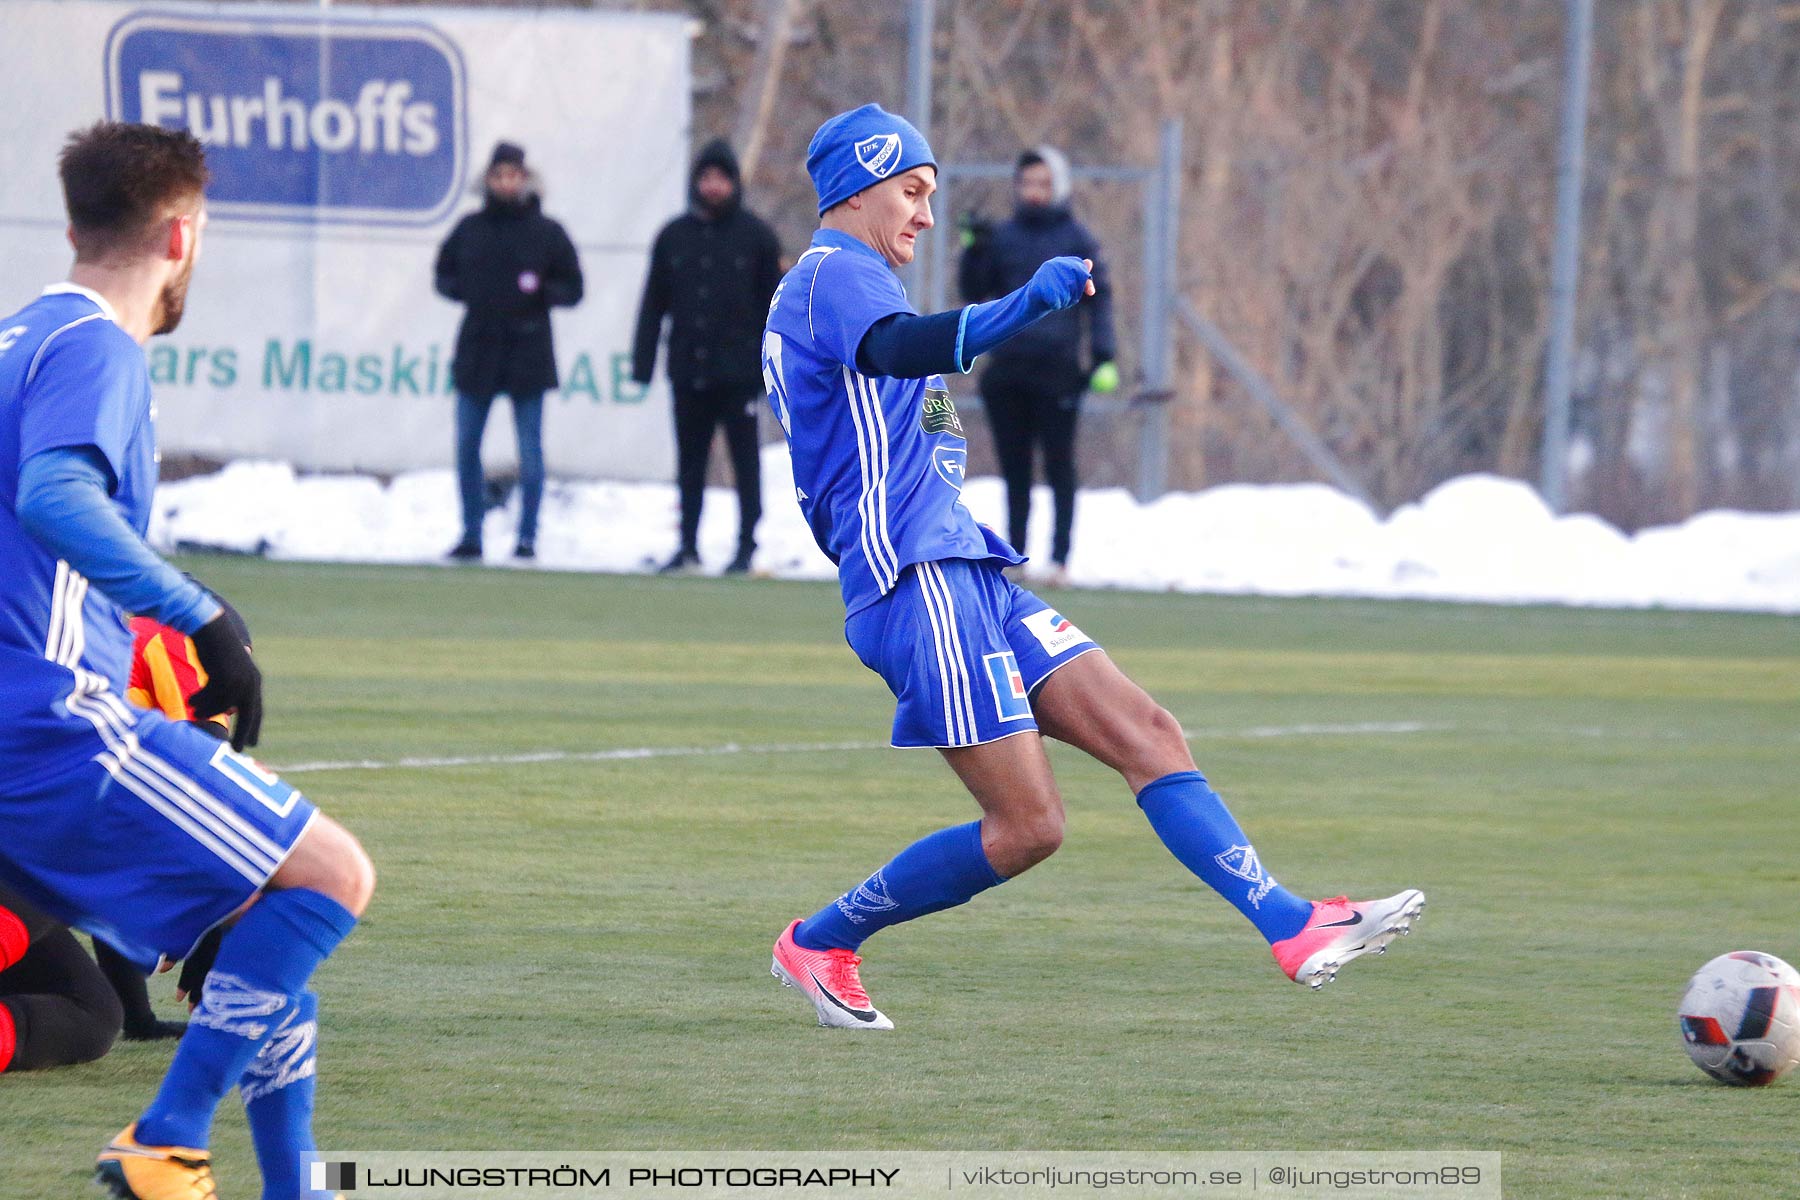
{"points": [[1011, 701], [1054, 632], [257, 780]]}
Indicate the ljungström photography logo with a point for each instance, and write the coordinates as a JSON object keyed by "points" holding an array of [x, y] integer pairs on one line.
{"points": [[333, 1176]]}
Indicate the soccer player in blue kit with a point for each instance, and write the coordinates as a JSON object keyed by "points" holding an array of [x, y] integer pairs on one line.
{"points": [[143, 831], [982, 669]]}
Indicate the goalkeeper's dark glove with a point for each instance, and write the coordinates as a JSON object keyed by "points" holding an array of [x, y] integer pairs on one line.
{"points": [[232, 681], [190, 985]]}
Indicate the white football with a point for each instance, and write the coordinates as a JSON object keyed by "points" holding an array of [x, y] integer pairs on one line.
{"points": [[1740, 1018]]}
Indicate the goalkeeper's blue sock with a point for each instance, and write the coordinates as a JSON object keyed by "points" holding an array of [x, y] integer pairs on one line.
{"points": [[263, 966], [278, 1089], [936, 872], [1199, 830]]}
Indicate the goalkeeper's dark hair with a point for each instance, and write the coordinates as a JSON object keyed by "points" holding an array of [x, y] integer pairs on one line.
{"points": [[121, 182]]}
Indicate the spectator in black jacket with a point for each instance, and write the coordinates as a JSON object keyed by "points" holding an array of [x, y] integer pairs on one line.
{"points": [[1033, 385], [713, 271], [510, 264]]}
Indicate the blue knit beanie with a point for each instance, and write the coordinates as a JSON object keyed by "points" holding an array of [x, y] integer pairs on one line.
{"points": [[858, 149]]}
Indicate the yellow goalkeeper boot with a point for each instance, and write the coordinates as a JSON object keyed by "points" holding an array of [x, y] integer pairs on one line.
{"points": [[132, 1171]]}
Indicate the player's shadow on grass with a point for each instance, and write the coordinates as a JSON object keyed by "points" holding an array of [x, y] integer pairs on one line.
{"points": [[1701, 1081]]}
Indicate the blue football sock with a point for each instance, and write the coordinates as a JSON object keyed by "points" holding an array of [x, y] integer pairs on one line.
{"points": [[277, 1088], [263, 966], [936, 872], [1199, 830]]}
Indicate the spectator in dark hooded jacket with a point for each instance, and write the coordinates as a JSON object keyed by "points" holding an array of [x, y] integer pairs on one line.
{"points": [[713, 271], [510, 264], [1033, 385]]}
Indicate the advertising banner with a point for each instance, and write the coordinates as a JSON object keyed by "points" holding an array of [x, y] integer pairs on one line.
{"points": [[345, 143]]}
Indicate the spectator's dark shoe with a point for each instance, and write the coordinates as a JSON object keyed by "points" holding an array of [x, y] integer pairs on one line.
{"points": [[685, 562], [741, 564], [466, 551], [525, 550]]}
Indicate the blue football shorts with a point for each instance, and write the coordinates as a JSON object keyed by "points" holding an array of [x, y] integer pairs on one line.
{"points": [[964, 650], [157, 838]]}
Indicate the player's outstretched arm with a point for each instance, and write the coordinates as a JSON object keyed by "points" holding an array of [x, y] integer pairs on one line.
{"points": [[904, 346], [64, 503]]}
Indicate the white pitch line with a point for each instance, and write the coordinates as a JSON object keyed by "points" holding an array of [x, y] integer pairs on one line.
{"points": [[727, 749], [1356, 730], [622, 754]]}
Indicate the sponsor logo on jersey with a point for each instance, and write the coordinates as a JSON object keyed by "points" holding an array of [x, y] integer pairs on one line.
{"points": [[938, 415], [878, 154], [303, 119], [1243, 862], [951, 463], [1054, 632], [1011, 701]]}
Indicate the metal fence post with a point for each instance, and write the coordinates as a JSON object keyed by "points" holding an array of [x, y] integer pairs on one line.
{"points": [[1162, 224], [923, 20], [1565, 259]]}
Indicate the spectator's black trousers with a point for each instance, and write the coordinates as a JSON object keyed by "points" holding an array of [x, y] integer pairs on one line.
{"points": [[1039, 408], [698, 412]]}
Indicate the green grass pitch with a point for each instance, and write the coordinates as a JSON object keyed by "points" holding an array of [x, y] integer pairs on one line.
{"points": [[572, 953]]}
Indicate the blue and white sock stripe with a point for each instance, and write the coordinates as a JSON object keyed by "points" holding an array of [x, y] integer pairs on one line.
{"points": [[951, 660], [872, 456], [173, 794], [66, 640]]}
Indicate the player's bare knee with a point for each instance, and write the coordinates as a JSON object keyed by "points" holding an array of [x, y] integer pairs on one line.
{"points": [[329, 860], [353, 872], [359, 876], [1038, 836], [1047, 837], [1165, 740]]}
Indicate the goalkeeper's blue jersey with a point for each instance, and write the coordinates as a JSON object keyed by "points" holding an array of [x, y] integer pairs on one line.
{"points": [[69, 376], [878, 462]]}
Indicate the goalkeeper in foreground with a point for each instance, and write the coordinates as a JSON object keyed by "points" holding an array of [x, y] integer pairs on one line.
{"points": [[982, 669]]}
